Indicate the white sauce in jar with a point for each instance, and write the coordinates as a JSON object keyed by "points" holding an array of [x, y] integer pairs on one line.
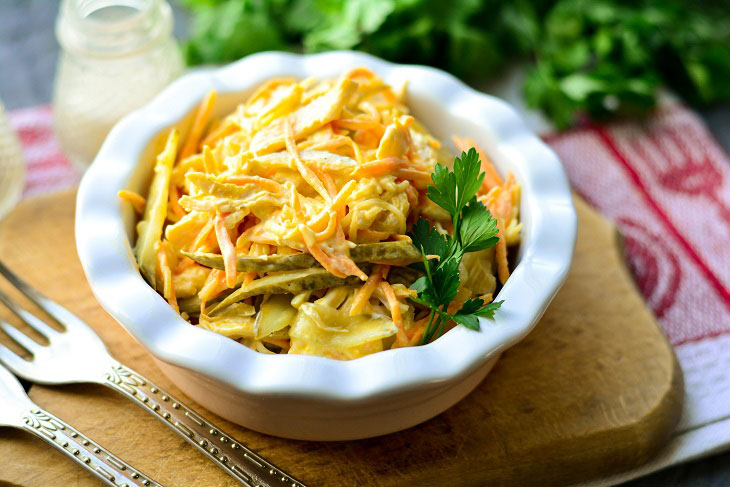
{"points": [[117, 55]]}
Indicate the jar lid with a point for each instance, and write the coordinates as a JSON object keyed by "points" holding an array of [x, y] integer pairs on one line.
{"points": [[112, 28]]}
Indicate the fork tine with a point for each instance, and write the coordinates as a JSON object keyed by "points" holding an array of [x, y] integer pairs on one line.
{"points": [[17, 364], [24, 340], [58, 312], [29, 318]]}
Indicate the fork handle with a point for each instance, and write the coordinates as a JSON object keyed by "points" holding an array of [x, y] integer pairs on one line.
{"points": [[238, 461], [105, 465]]}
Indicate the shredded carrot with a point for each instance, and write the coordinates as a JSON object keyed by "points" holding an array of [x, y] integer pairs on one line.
{"points": [[394, 308], [329, 230], [501, 254], [366, 138], [419, 329], [202, 235], [365, 291], [419, 178], [267, 87], [213, 286], [210, 163], [380, 166], [174, 202], [137, 201], [309, 176], [412, 194], [220, 132], [360, 73], [331, 187], [163, 263], [337, 263], [182, 264], [248, 278], [227, 250], [499, 203], [196, 130]]}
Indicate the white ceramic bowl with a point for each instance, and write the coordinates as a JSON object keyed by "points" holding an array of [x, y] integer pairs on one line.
{"points": [[306, 397]]}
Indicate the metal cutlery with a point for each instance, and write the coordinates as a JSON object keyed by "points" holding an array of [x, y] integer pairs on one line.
{"points": [[18, 411], [77, 354]]}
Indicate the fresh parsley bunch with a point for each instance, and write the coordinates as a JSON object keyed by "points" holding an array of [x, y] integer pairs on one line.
{"points": [[594, 58], [474, 229], [607, 58]]}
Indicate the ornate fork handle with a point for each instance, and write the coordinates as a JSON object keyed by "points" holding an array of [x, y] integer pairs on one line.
{"points": [[106, 466], [241, 463]]}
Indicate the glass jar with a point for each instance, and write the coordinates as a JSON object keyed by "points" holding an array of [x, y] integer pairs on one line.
{"points": [[116, 56], [12, 165]]}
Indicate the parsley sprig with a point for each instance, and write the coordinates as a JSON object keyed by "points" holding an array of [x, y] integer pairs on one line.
{"points": [[474, 229]]}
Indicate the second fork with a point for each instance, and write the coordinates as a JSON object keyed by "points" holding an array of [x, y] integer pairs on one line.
{"points": [[78, 355]]}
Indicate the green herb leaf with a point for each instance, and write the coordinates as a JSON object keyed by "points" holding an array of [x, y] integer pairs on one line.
{"points": [[598, 58], [474, 308], [474, 229], [468, 178], [452, 190], [429, 240], [469, 321], [446, 280], [444, 191], [478, 230], [425, 292]]}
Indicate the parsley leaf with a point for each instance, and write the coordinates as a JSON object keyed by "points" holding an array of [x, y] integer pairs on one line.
{"points": [[444, 193], [446, 280], [441, 282], [469, 180], [474, 229], [478, 230], [452, 190], [599, 58], [473, 308], [430, 241], [469, 321], [425, 295]]}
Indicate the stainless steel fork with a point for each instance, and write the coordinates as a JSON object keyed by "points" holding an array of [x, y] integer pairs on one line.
{"points": [[18, 411], [78, 355]]}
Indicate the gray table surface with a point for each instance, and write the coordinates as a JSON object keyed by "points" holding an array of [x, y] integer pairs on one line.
{"points": [[28, 55]]}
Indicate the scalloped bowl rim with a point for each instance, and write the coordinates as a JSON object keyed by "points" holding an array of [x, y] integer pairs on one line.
{"points": [[106, 253]]}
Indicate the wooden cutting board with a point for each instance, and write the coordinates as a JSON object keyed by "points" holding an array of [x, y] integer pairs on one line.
{"points": [[595, 389]]}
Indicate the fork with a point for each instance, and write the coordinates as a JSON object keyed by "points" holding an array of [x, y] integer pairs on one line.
{"points": [[18, 411], [77, 354]]}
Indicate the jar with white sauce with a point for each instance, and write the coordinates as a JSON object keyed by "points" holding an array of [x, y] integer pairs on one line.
{"points": [[116, 56], [12, 165]]}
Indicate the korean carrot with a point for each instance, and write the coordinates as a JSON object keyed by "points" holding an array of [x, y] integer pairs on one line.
{"points": [[227, 250], [365, 291], [202, 116], [137, 201]]}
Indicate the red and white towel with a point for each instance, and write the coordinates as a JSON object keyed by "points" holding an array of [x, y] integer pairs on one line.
{"points": [[666, 184], [48, 169]]}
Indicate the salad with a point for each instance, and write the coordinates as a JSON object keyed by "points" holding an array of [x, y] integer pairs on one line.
{"points": [[321, 218]]}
